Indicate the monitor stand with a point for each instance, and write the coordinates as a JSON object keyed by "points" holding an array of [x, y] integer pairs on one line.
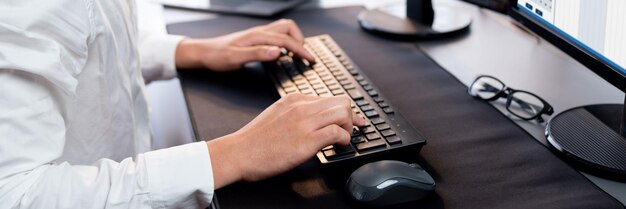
{"points": [[414, 21], [593, 138]]}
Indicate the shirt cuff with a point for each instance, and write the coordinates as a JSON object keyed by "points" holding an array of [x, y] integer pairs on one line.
{"points": [[180, 177], [158, 55]]}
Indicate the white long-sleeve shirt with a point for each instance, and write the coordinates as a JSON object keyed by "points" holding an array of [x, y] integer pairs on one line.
{"points": [[73, 116]]}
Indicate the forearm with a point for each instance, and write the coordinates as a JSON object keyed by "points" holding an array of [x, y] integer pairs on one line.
{"points": [[226, 166], [189, 53]]}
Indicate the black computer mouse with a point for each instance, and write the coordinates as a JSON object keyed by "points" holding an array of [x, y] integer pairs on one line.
{"points": [[389, 182]]}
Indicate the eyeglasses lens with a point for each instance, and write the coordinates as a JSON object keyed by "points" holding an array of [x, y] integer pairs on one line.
{"points": [[525, 105], [486, 88]]}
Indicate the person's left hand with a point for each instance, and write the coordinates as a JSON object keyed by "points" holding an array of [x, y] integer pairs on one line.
{"points": [[231, 52]]}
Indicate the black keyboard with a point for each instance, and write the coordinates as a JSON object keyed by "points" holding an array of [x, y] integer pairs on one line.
{"points": [[387, 132]]}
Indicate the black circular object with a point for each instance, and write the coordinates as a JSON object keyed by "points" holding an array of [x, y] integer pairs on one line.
{"points": [[589, 137]]}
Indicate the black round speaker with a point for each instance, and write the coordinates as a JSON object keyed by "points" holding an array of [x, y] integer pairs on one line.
{"points": [[589, 137]]}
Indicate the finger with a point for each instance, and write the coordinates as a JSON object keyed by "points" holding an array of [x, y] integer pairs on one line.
{"points": [[281, 40], [242, 55], [287, 26], [358, 120], [332, 134], [336, 115], [319, 104]]}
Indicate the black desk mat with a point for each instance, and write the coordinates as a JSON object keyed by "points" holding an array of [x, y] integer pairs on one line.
{"points": [[479, 158]]}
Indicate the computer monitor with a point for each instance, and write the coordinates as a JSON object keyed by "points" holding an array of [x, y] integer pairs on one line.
{"points": [[594, 33]]}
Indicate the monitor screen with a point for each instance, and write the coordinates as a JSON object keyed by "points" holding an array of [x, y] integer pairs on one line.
{"points": [[596, 26]]}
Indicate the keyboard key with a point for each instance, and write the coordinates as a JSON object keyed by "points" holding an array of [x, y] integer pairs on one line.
{"points": [[383, 104], [331, 83], [372, 136], [338, 152], [355, 94], [309, 73], [312, 78], [324, 75], [287, 84], [388, 133], [345, 82], [369, 129], [367, 87], [378, 99], [337, 73], [361, 102], [341, 78], [372, 93], [357, 139], [334, 87], [365, 83], [388, 110], [382, 126], [370, 145], [349, 86], [291, 89], [328, 147], [356, 132], [393, 140], [337, 92], [298, 78], [318, 86], [301, 83], [377, 121], [366, 108], [321, 91], [359, 78], [371, 113], [353, 71]]}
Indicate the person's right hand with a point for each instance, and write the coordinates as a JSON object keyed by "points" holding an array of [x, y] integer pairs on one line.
{"points": [[286, 134]]}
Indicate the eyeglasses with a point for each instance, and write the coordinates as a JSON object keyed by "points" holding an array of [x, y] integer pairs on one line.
{"points": [[522, 104]]}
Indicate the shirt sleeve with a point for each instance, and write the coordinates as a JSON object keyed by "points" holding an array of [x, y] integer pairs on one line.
{"points": [[33, 136], [157, 49]]}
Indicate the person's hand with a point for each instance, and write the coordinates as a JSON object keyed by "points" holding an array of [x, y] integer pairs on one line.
{"points": [[283, 136], [231, 52]]}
